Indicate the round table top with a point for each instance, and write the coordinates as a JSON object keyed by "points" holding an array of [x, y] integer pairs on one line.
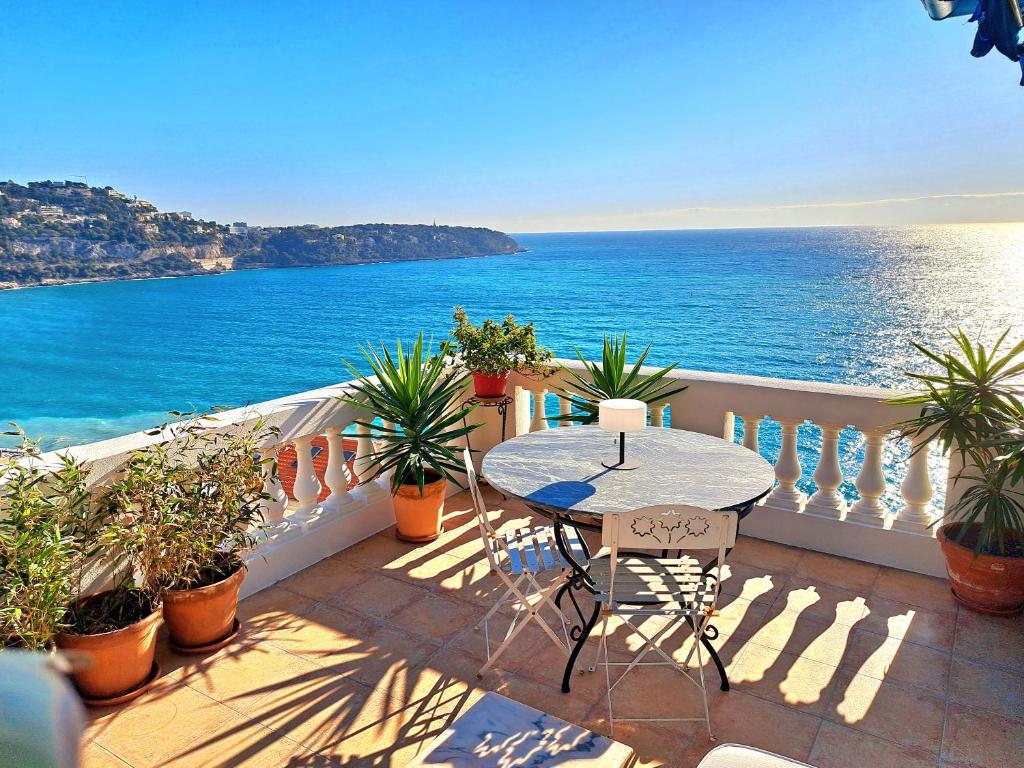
{"points": [[560, 470]]}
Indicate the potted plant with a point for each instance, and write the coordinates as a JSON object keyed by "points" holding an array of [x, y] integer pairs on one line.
{"points": [[972, 407], [610, 380], [491, 351], [116, 628], [216, 514], [43, 513], [417, 397]]}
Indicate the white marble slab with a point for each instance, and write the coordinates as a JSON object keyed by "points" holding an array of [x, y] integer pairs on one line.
{"points": [[498, 732], [560, 469]]}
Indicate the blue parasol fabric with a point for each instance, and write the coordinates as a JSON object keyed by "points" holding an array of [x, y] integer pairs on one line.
{"points": [[1000, 24]]}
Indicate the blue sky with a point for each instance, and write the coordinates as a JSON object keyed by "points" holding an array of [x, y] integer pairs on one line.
{"points": [[525, 116]]}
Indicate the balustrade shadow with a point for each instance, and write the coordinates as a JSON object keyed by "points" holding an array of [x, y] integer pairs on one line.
{"points": [[355, 697]]}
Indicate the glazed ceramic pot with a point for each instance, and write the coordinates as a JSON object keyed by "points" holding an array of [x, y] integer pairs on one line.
{"points": [[490, 386]]}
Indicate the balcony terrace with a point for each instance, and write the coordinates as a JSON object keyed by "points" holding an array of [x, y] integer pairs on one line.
{"points": [[843, 646]]}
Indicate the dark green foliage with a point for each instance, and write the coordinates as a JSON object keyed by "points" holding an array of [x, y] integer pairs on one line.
{"points": [[972, 406], [419, 394], [495, 348], [611, 380]]}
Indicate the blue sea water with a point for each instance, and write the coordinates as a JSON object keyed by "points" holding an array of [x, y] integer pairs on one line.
{"points": [[85, 362]]}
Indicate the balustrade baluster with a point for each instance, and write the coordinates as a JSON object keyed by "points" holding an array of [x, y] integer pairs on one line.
{"points": [[788, 471], [658, 415], [564, 409], [751, 428], [307, 486], [868, 509], [539, 411], [363, 462], [337, 475], [916, 514], [827, 502], [274, 507]]}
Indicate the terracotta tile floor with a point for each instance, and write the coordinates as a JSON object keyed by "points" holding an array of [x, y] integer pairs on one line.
{"points": [[363, 658]]}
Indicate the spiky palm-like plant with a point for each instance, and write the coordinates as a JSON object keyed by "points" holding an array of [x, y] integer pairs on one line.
{"points": [[611, 380], [418, 393], [972, 407]]}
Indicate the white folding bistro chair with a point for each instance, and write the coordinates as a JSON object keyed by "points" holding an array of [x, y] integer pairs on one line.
{"points": [[629, 585], [519, 557]]}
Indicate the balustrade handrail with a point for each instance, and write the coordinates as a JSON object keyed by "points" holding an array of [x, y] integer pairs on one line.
{"points": [[864, 407], [291, 417]]}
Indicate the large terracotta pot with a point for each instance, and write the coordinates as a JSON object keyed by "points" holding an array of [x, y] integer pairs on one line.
{"points": [[986, 583], [489, 386], [200, 620], [122, 665], [419, 517]]}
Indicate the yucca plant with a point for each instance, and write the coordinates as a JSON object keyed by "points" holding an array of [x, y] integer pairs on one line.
{"points": [[416, 395], [972, 408], [611, 380]]}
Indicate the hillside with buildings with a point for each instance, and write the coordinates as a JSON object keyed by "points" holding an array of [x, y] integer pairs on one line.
{"points": [[64, 232]]}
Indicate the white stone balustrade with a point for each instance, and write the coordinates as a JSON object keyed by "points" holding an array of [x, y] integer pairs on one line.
{"points": [[864, 528], [303, 530], [300, 531]]}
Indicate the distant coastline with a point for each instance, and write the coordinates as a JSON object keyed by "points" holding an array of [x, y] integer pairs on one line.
{"points": [[60, 233], [214, 273]]}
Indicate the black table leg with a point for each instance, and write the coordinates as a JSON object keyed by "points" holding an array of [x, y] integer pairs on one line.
{"points": [[581, 640], [578, 581]]}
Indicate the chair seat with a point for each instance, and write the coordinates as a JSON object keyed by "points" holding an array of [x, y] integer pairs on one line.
{"points": [[737, 756], [674, 584], [533, 550]]}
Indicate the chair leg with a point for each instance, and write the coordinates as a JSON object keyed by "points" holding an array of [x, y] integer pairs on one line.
{"points": [[703, 688], [532, 614], [600, 644], [603, 646]]}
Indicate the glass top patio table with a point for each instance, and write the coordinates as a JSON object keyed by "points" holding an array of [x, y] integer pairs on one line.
{"points": [[559, 471]]}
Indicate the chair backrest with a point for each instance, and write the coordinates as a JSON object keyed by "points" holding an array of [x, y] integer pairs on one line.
{"points": [[669, 526], [483, 521]]}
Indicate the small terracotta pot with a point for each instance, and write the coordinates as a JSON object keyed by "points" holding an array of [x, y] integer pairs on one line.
{"points": [[986, 583], [122, 660], [202, 617], [490, 386], [419, 517]]}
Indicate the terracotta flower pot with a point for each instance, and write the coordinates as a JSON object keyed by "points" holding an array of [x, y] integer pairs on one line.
{"points": [[986, 583], [122, 661], [490, 386], [204, 618], [419, 517]]}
